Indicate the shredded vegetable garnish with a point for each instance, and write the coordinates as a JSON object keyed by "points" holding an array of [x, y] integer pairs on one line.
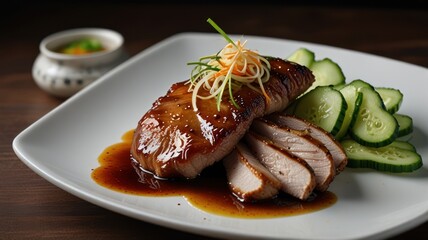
{"points": [[228, 70]]}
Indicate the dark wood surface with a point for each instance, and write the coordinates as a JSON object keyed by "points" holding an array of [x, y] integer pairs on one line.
{"points": [[32, 208]]}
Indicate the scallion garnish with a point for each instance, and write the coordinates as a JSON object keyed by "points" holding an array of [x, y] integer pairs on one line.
{"points": [[231, 68]]}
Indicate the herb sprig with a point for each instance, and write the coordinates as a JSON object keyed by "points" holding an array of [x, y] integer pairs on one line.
{"points": [[229, 69]]}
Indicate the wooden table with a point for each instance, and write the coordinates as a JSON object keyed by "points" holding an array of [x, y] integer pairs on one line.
{"points": [[32, 208]]}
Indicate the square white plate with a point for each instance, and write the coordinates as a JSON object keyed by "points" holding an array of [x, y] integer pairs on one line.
{"points": [[64, 145]]}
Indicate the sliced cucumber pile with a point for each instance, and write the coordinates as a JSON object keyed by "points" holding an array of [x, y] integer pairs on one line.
{"points": [[353, 99], [391, 158], [373, 125], [364, 118], [323, 106], [303, 57], [391, 97], [326, 71], [405, 124]]}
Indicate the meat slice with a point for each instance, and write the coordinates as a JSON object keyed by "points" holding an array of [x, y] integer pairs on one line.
{"points": [[300, 144], [296, 176], [172, 140], [339, 156], [248, 179]]}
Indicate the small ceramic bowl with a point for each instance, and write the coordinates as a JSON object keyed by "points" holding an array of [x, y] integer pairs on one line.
{"points": [[62, 74]]}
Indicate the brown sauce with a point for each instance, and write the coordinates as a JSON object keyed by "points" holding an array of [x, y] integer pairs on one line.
{"points": [[209, 192]]}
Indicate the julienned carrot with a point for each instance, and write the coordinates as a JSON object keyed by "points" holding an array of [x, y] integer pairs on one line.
{"points": [[233, 67]]}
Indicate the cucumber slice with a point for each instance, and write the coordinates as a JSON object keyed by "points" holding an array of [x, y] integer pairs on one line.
{"points": [[374, 126], [323, 106], [353, 99], [392, 98], [326, 73], [339, 86], [303, 57], [403, 144], [405, 124], [389, 158], [359, 84]]}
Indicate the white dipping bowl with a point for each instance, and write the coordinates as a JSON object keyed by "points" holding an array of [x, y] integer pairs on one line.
{"points": [[63, 75]]}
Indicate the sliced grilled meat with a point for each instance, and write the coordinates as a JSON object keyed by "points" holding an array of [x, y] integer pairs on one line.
{"points": [[301, 145], [339, 156], [296, 176], [248, 179], [172, 140]]}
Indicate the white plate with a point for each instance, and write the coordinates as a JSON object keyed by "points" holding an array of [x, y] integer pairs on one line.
{"points": [[63, 146]]}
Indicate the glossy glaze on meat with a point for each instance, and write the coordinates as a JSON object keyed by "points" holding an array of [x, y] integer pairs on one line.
{"points": [[172, 140]]}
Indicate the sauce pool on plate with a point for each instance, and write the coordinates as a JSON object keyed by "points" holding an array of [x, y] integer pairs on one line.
{"points": [[209, 192]]}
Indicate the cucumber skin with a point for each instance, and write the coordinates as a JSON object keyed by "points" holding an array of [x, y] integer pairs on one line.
{"points": [[307, 60], [403, 145], [356, 135], [403, 131], [367, 143], [335, 129], [348, 121], [339, 78], [367, 163], [358, 103], [326, 65], [355, 160], [358, 83], [394, 108]]}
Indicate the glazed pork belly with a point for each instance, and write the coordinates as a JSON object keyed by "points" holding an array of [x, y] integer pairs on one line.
{"points": [[298, 157], [339, 156], [296, 176], [248, 179], [172, 140], [300, 144]]}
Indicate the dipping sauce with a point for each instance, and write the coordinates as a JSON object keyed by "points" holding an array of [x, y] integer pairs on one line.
{"points": [[209, 192], [82, 46]]}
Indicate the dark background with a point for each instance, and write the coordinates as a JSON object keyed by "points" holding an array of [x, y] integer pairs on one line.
{"points": [[150, 21]]}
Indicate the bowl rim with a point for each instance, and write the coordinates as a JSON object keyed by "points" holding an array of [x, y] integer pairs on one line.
{"points": [[63, 37]]}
